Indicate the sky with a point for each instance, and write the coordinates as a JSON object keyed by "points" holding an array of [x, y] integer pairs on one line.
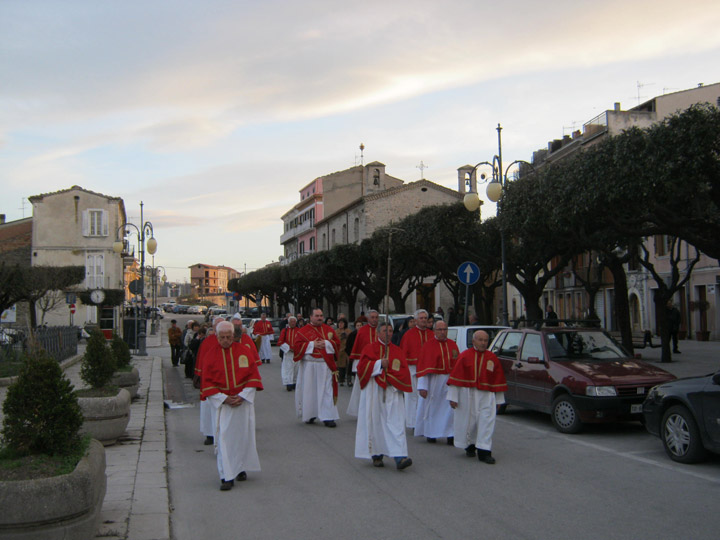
{"points": [[215, 113]]}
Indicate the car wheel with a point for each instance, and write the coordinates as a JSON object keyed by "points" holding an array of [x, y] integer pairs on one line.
{"points": [[565, 415], [680, 436]]}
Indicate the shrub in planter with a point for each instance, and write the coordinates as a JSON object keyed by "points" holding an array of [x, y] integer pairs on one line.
{"points": [[121, 352], [106, 408], [42, 415], [98, 363], [126, 376]]}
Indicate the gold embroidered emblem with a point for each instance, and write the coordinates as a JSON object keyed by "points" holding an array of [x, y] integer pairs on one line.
{"points": [[243, 361], [455, 354], [490, 365], [330, 335], [396, 364]]}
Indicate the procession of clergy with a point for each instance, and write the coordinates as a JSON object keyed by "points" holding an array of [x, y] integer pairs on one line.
{"points": [[425, 384]]}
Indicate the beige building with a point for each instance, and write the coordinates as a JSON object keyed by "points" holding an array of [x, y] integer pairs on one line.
{"points": [[211, 282], [699, 301], [78, 227]]}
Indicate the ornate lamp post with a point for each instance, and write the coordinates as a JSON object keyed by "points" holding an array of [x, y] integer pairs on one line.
{"points": [[494, 191], [154, 276], [143, 231]]}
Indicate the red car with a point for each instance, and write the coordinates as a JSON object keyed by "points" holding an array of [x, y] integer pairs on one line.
{"points": [[576, 375]]}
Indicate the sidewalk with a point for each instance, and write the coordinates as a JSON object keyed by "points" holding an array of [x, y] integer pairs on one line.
{"points": [[696, 358]]}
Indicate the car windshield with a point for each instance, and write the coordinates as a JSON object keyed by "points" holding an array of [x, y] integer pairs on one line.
{"points": [[583, 345]]}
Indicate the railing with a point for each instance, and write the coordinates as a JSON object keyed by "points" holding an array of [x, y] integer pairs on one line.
{"points": [[60, 342]]}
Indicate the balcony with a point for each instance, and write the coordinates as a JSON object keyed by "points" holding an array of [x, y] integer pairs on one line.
{"points": [[296, 231]]}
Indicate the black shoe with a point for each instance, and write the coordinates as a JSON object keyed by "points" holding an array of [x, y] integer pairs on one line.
{"points": [[209, 440], [289, 387], [241, 477], [293, 387], [378, 461], [226, 486], [431, 439], [451, 441], [486, 457], [470, 451], [311, 421], [677, 352], [404, 463], [329, 423]]}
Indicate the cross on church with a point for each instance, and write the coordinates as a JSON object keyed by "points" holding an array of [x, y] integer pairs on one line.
{"points": [[422, 168]]}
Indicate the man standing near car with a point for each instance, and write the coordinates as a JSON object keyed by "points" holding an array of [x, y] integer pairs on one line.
{"points": [[264, 329], [175, 341], [316, 345], [437, 358], [411, 344], [476, 387]]}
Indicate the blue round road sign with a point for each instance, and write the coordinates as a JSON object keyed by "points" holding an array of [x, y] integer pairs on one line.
{"points": [[468, 273]]}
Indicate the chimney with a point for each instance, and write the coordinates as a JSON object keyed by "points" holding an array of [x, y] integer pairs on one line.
{"points": [[617, 106], [2, 219]]}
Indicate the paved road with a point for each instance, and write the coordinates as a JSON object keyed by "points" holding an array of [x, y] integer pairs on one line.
{"points": [[608, 482]]}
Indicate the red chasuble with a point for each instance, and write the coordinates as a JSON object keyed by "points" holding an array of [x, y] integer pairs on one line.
{"points": [[308, 333], [205, 346], [246, 341], [365, 336], [413, 342], [481, 370], [437, 357], [397, 373], [229, 371], [287, 335], [262, 328]]}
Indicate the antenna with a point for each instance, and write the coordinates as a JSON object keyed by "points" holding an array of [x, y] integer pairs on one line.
{"points": [[22, 206], [422, 168], [639, 86], [362, 154]]}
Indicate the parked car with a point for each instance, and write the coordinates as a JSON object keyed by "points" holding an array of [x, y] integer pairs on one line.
{"points": [[685, 414], [576, 375], [180, 308], [462, 335], [155, 313]]}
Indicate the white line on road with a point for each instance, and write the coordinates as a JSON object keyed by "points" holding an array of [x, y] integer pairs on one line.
{"points": [[628, 455]]}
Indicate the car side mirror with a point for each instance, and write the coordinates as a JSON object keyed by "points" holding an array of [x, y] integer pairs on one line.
{"points": [[716, 378], [534, 360]]}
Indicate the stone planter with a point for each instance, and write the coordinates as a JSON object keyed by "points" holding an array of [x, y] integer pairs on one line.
{"points": [[129, 380], [105, 417], [66, 506]]}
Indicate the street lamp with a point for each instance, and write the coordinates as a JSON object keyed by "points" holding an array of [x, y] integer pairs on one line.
{"points": [[142, 231], [154, 276], [494, 191]]}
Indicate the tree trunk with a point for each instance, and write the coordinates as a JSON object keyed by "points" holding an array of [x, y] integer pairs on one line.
{"points": [[622, 306], [660, 299], [398, 302]]}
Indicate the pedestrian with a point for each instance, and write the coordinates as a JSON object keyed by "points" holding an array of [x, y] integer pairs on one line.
{"points": [[286, 342], [551, 318], [451, 317], [362, 318], [384, 378], [342, 358], [404, 327], [329, 321], [207, 427], [175, 341], [476, 387], [193, 348], [411, 344], [316, 345], [437, 358], [264, 330], [673, 318], [230, 381], [440, 312], [365, 336]]}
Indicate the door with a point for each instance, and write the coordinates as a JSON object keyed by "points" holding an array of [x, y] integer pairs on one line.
{"points": [[507, 351], [711, 408], [532, 382]]}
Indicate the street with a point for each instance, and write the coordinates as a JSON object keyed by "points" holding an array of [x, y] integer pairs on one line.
{"points": [[610, 481]]}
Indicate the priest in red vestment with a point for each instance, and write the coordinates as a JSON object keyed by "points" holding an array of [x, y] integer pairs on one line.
{"points": [[316, 345], [365, 336], [434, 415], [240, 336], [286, 342], [411, 344], [230, 379], [206, 419], [476, 387], [264, 330], [384, 379]]}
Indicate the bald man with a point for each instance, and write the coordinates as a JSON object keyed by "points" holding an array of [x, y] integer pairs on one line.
{"points": [[476, 387]]}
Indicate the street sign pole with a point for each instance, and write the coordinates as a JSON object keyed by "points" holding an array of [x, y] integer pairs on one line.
{"points": [[468, 273]]}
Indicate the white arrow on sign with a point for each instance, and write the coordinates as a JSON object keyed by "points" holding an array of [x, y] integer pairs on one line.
{"points": [[468, 272]]}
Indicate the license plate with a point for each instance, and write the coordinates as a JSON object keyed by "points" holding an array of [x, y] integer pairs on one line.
{"points": [[637, 408]]}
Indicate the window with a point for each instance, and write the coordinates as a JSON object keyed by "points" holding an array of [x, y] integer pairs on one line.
{"points": [[95, 271], [332, 238], [532, 347], [356, 231], [511, 344], [302, 248], [324, 241], [344, 234], [663, 245], [312, 244], [95, 222]]}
